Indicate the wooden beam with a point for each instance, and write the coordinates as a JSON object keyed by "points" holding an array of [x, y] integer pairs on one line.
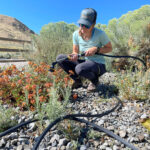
{"points": [[15, 40], [12, 60], [14, 50]]}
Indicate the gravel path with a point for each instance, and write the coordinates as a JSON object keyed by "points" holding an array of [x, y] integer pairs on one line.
{"points": [[18, 64], [124, 122]]}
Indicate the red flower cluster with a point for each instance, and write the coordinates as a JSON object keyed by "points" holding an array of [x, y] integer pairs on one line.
{"points": [[14, 83]]}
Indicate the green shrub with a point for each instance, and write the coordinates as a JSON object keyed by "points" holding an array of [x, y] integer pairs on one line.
{"points": [[54, 39], [5, 118], [133, 85]]}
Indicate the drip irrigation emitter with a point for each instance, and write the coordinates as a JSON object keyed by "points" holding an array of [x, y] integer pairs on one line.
{"points": [[75, 117]]}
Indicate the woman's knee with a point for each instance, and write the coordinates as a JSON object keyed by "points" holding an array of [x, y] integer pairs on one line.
{"points": [[79, 70], [61, 57]]}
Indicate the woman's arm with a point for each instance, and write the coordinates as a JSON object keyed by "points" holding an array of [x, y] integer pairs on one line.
{"points": [[74, 55], [75, 49], [106, 48]]}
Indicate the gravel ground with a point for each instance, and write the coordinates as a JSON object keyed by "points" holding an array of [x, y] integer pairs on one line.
{"points": [[18, 64], [124, 122]]}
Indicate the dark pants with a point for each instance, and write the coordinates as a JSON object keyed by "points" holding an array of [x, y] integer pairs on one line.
{"points": [[84, 68]]}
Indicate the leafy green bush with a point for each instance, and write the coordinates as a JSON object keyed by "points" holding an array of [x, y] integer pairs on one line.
{"points": [[70, 129], [54, 39], [133, 85], [55, 107], [131, 29], [130, 34], [5, 118]]}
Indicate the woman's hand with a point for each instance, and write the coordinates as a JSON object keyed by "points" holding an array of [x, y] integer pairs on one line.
{"points": [[91, 51], [73, 57]]}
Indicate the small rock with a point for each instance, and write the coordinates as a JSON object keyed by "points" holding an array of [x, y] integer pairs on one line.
{"points": [[101, 122], [69, 146], [54, 143], [146, 135], [12, 118], [32, 127], [55, 137], [26, 147], [22, 119], [96, 143], [14, 142], [13, 135], [105, 144], [53, 148], [8, 144], [141, 137], [108, 148], [20, 147], [102, 147], [122, 133], [129, 130], [62, 142], [114, 113], [115, 147], [144, 116], [2, 142], [83, 147], [111, 128]]}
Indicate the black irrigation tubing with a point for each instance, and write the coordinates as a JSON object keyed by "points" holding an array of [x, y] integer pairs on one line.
{"points": [[94, 126], [101, 129], [13, 129], [124, 57], [112, 56]]}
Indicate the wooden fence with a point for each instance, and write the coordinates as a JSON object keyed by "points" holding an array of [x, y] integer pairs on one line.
{"points": [[15, 45]]}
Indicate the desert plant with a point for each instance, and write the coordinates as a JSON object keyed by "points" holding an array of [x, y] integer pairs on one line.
{"points": [[70, 129], [127, 32], [15, 83], [54, 108], [133, 85], [5, 118], [92, 134], [54, 39]]}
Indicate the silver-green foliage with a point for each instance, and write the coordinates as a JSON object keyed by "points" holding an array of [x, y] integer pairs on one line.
{"points": [[131, 25], [54, 39], [133, 85], [54, 108], [6, 120]]}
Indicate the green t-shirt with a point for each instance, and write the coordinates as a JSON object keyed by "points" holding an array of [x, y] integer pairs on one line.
{"points": [[98, 39]]}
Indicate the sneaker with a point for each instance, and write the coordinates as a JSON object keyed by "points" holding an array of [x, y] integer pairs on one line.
{"points": [[77, 84], [92, 87]]}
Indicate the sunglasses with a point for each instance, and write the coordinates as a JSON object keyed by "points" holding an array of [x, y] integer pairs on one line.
{"points": [[83, 25]]}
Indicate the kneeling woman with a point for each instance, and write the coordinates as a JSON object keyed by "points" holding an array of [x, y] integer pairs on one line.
{"points": [[91, 41]]}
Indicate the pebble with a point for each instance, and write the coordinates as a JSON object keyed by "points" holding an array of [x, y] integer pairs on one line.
{"points": [[144, 116], [2, 142], [122, 133], [83, 147], [100, 122], [17, 64]]}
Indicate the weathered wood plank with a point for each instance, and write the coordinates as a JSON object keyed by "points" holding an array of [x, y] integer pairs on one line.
{"points": [[15, 40], [14, 50], [12, 60]]}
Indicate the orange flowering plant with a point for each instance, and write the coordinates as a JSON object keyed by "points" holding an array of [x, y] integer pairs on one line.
{"points": [[14, 83]]}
